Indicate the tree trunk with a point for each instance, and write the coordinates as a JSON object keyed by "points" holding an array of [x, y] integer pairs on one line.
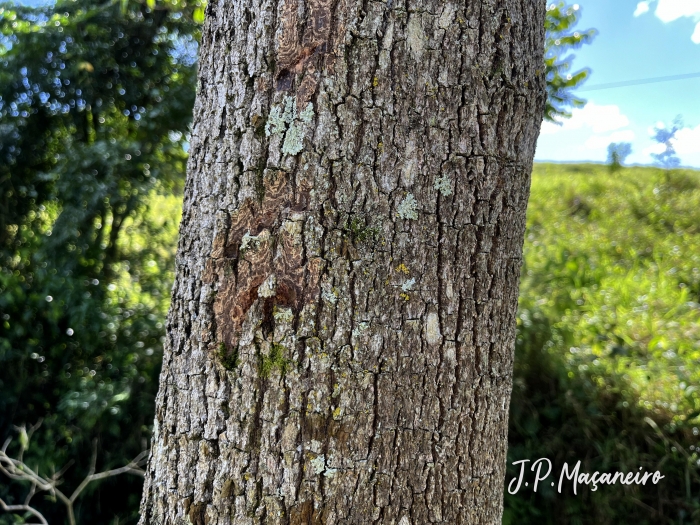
{"points": [[340, 341]]}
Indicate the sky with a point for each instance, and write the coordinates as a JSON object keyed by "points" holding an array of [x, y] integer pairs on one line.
{"points": [[636, 40]]}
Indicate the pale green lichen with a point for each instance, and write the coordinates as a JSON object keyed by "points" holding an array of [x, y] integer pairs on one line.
{"points": [[407, 286], [290, 109], [318, 464], [444, 185], [307, 115], [328, 294], [248, 241], [283, 315], [285, 115], [293, 139], [269, 287], [408, 209], [363, 326], [251, 241], [275, 122]]}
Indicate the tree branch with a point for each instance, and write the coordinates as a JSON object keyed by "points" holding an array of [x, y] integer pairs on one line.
{"points": [[17, 470]]}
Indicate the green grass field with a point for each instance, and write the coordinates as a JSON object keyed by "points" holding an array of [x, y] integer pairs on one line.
{"points": [[609, 341]]}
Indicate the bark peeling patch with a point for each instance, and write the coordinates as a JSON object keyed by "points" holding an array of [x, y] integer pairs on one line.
{"points": [[249, 263], [432, 329], [300, 56], [197, 514], [304, 514], [416, 37]]}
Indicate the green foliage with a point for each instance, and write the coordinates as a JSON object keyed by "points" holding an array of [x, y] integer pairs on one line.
{"points": [[561, 38], [617, 153], [95, 104], [608, 342]]}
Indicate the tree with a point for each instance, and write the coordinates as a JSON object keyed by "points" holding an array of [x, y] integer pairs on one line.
{"points": [[665, 138], [340, 341], [561, 38], [617, 153]]}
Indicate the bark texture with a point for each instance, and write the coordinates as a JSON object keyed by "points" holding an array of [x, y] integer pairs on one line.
{"points": [[340, 341]]}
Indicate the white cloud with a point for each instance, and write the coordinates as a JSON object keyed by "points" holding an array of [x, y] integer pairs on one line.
{"points": [[687, 141], [654, 148], [696, 34], [642, 7], [670, 10], [598, 141], [599, 119]]}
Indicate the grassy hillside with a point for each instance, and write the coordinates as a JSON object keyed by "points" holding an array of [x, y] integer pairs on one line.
{"points": [[609, 343]]}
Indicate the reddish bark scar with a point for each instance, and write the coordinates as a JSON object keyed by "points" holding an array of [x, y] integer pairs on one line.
{"points": [[303, 56], [263, 239]]}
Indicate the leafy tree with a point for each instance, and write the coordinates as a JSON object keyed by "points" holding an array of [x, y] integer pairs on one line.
{"points": [[95, 103], [666, 137], [560, 40], [617, 153]]}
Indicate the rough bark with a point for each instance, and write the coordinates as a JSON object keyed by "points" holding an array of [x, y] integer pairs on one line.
{"points": [[340, 340]]}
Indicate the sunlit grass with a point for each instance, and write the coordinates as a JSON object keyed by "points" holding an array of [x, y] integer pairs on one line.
{"points": [[614, 260]]}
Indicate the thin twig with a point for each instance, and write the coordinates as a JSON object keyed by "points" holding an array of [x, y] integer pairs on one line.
{"points": [[17, 470], [24, 508]]}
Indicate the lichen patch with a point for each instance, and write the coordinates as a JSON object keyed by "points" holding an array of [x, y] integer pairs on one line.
{"points": [[318, 464], [283, 315], [275, 124], [249, 241], [307, 115], [284, 119], [293, 140], [408, 285], [408, 209], [444, 185], [329, 294]]}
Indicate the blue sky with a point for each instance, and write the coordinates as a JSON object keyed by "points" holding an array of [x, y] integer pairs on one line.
{"points": [[636, 40]]}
